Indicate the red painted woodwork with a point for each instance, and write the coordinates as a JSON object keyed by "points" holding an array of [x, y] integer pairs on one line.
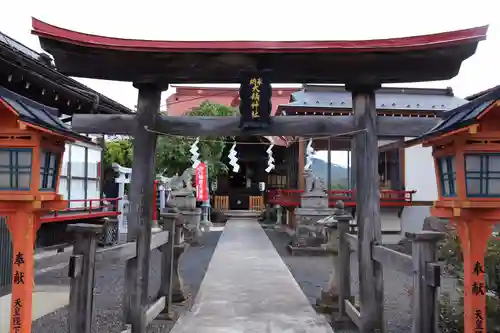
{"points": [[443, 39], [188, 98], [94, 209], [472, 129], [388, 198]]}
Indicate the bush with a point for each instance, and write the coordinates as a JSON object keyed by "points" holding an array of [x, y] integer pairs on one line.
{"points": [[218, 216], [451, 311], [273, 215]]}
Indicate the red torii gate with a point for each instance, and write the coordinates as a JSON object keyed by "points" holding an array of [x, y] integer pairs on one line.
{"points": [[362, 65]]}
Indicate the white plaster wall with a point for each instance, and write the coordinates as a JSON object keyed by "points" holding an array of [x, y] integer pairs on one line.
{"points": [[77, 152], [419, 173], [93, 160], [390, 221], [412, 218]]}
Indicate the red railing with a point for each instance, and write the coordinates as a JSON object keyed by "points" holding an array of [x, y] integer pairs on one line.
{"points": [[285, 198], [388, 198], [91, 208]]}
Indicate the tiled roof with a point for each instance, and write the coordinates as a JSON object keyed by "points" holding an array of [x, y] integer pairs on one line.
{"points": [[37, 114], [400, 99], [40, 65], [466, 114]]}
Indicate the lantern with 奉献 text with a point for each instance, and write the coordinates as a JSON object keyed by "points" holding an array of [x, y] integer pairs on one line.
{"points": [[32, 142], [466, 151]]}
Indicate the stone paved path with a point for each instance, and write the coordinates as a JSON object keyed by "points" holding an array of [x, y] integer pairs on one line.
{"points": [[248, 288]]}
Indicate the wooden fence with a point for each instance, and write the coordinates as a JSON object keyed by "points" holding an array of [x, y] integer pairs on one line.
{"points": [[256, 203], [221, 202], [422, 266], [82, 268]]}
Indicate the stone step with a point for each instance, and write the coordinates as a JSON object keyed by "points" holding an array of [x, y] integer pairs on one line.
{"points": [[242, 213]]}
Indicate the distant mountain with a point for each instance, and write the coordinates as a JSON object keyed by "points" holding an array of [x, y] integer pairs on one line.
{"points": [[338, 173]]}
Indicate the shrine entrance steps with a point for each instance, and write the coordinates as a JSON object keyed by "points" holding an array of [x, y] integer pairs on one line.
{"points": [[242, 214], [248, 288]]}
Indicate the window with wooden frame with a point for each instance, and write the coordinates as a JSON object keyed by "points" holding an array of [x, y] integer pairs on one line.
{"points": [[15, 169], [482, 175], [276, 181], [447, 175], [49, 167]]}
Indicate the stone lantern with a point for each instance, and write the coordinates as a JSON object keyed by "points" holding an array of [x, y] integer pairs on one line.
{"points": [[466, 151], [32, 143]]}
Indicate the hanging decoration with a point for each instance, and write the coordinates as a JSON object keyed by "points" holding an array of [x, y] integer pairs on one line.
{"points": [[270, 159], [233, 159], [195, 155], [309, 155]]}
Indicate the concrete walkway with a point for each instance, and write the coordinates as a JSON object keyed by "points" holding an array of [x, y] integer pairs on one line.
{"points": [[248, 288]]}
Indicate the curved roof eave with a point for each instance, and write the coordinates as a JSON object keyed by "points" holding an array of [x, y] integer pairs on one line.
{"points": [[442, 39]]}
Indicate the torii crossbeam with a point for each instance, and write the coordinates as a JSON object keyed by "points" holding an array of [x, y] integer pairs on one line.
{"points": [[228, 126]]}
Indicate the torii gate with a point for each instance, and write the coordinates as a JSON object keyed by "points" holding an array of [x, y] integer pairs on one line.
{"points": [[362, 65]]}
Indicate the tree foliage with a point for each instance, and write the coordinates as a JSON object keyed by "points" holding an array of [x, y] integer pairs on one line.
{"points": [[172, 152], [118, 151]]}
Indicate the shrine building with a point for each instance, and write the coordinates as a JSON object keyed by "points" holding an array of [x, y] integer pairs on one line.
{"points": [[406, 174]]}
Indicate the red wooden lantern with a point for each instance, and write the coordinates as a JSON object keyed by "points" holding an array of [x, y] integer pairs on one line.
{"points": [[32, 141], [466, 150]]}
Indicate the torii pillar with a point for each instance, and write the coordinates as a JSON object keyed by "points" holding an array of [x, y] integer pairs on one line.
{"points": [[367, 194], [141, 195]]}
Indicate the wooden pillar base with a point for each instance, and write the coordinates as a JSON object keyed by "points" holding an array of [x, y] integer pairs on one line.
{"points": [[22, 226], [328, 303], [178, 294], [474, 235]]}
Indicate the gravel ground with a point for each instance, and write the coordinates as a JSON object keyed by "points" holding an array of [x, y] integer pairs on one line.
{"points": [[312, 273], [109, 289]]}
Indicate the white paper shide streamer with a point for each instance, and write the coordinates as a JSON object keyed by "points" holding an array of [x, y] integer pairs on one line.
{"points": [[195, 155], [270, 159], [233, 159], [309, 155]]}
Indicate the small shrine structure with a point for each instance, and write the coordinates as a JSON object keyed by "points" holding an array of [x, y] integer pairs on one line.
{"points": [[466, 150], [33, 75], [405, 194], [32, 143]]}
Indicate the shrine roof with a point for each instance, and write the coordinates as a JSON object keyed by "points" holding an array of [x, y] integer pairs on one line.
{"points": [[464, 115], [37, 114], [328, 97], [188, 97], [409, 59], [33, 74]]}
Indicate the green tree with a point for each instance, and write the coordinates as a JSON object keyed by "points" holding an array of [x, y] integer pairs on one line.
{"points": [[118, 151], [172, 153]]}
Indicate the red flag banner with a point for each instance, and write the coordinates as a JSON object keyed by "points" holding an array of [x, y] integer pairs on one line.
{"points": [[201, 182]]}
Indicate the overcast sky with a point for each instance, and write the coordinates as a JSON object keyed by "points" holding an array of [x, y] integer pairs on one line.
{"points": [[266, 20]]}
